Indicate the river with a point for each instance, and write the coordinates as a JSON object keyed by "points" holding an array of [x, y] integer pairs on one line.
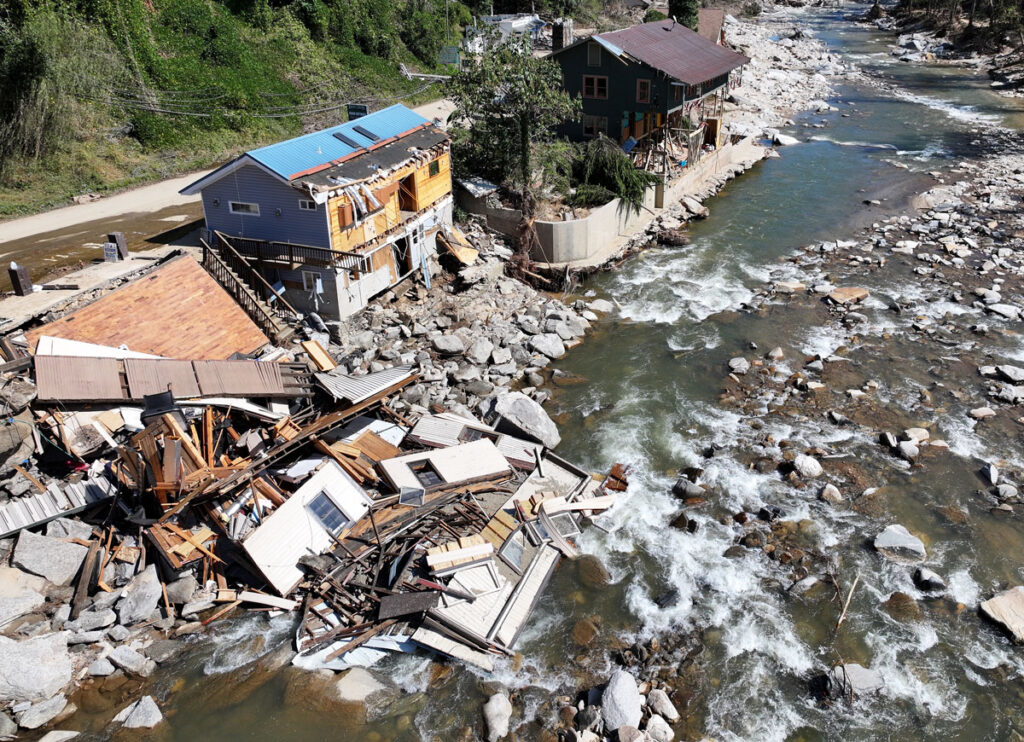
{"points": [[645, 390]]}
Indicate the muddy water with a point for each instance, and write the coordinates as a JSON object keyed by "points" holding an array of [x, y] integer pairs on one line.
{"points": [[653, 375], [51, 254]]}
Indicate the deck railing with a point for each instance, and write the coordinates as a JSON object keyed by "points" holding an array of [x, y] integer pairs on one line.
{"points": [[257, 310], [299, 254]]}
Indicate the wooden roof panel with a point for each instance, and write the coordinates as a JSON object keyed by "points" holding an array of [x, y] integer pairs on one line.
{"points": [[176, 311]]}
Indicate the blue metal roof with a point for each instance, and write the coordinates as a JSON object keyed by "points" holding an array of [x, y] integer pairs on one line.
{"points": [[321, 147]]}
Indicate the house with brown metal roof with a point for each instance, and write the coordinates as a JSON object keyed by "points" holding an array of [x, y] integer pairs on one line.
{"points": [[646, 80]]}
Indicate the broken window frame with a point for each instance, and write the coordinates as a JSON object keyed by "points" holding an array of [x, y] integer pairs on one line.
{"points": [[244, 208], [309, 279], [511, 544], [595, 83], [425, 467], [323, 498]]}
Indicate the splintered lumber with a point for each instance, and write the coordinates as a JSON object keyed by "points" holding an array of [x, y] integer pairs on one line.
{"points": [[555, 505], [268, 490], [92, 560], [374, 447], [318, 355], [360, 640], [194, 539], [211, 453], [188, 446], [222, 612], [35, 482], [251, 596]]}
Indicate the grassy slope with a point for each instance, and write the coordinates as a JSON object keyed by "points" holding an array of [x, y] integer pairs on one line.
{"points": [[251, 67]]}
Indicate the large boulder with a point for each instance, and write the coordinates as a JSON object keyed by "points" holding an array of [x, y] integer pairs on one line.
{"points": [[497, 714], [140, 597], [852, 679], [33, 669], [143, 714], [448, 345], [526, 418], [480, 351], [1007, 609], [621, 703], [56, 560], [20, 593], [659, 702], [132, 661], [548, 344], [43, 712], [807, 467], [658, 730], [896, 542]]}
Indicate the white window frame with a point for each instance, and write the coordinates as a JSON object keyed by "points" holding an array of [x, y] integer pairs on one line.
{"points": [[309, 279], [593, 52], [240, 212], [307, 204]]}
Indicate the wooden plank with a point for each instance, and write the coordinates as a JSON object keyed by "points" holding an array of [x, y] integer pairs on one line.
{"points": [[374, 447], [187, 444], [251, 596], [35, 482], [318, 355], [171, 470], [85, 577], [190, 538], [208, 436]]}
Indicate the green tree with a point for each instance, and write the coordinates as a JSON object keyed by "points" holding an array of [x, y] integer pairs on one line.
{"points": [[684, 11], [508, 101]]}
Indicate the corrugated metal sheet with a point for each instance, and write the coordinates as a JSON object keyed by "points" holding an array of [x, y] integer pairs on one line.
{"points": [[355, 389], [676, 50], [321, 147], [239, 378], [87, 379], [152, 377], [710, 22]]}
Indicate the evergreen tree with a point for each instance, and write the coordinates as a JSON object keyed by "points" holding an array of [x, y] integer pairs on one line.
{"points": [[684, 11]]}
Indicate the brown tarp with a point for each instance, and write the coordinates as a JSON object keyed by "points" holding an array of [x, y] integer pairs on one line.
{"points": [[78, 379]]}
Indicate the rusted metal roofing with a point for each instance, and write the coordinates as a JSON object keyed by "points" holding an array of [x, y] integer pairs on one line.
{"points": [[153, 377], [677, 51], [239, 378], [710, 22], [354, 389], [78, 379]]}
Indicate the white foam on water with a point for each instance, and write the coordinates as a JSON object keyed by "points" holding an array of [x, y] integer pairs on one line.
{"points": [[963, 588], [863, 145], [233, 641], [962, 113]]}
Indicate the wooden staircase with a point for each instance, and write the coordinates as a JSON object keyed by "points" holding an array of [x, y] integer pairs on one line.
{"points": [[232, 271]]}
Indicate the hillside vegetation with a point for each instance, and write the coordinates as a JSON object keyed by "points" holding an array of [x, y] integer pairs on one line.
{"points": [[102, 94]]}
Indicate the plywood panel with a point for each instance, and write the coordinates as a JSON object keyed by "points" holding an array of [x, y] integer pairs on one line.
{"points": [[176, 311]]}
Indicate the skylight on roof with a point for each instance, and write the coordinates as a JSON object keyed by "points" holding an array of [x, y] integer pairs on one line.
{"points": [[366, 133], [350, 142]]}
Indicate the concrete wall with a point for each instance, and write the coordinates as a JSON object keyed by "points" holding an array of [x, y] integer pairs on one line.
{"points": [[582, 239]]}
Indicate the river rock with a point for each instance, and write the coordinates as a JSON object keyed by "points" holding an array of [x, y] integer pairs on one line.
{"points": [[92, 620], [739, 365], [902, 607], [181, 590], [658, 730], [56, 560], [784, 140], [831, 494], [33, 669], [807, 467], [908, 451], [58, 735], [140, 598], [695, 207], [8, 729], [629, 733], [68, 528], [359, 685], [20, 594], [101, 668], [1006, 311], [131, 661], [896, 542], [621, 703], [602, 306], [480, 351], [853, 679], [659, 702], [991, 472], [448, 345], [928, 581], [592, 573], [848, 295], [548, 344], [1011, 373], [42, 713], [497, 714], [526, 417], [1007, 609], [143, 714]]}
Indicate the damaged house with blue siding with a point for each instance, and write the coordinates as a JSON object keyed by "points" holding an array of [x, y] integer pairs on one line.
{"points": [[330, 219]]}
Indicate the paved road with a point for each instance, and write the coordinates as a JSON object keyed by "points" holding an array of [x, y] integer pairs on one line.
{"points": [[144, 200]]}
